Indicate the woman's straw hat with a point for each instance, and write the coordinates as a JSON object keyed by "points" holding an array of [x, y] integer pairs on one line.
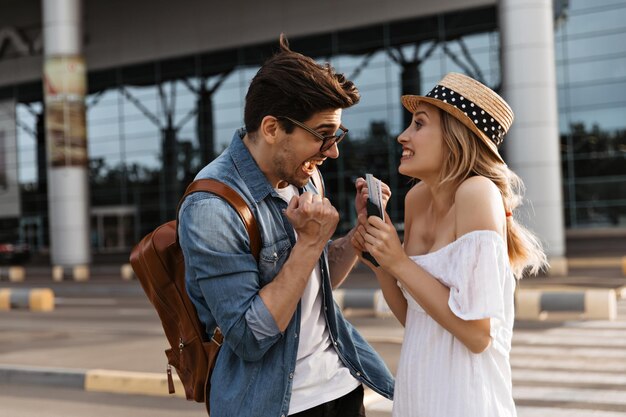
{"points": [[475, 105]]}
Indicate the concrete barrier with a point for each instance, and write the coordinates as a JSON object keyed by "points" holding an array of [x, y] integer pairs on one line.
{"points": [[592, 304], [35, 299], [58, 273], [77, 273], [363, 299], [80, 273], [13, 273], [530, 304], [5, 299], [381, 308], [127, 273], [558, 266]]}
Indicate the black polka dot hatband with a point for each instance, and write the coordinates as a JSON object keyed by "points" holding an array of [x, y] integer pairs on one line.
{"points": [[475, 105]]}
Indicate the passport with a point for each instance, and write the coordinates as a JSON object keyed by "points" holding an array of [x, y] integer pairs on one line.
{"points": [[374, 206]]}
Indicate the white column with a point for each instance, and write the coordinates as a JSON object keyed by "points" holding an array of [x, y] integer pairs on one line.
{"points": [[66, 138], [532, 145]]}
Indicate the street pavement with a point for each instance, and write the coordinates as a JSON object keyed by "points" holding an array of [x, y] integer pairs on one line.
{"points": [[561, 367]]}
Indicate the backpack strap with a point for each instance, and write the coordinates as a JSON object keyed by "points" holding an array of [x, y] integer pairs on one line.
{"points": [[233, 198]]}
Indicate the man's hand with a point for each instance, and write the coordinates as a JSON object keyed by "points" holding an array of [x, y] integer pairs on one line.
{"points": [[357, 239], [314, 218]]}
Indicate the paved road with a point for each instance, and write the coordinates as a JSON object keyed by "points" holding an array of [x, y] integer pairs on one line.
{"points": [[37, 401], [570, 368]]}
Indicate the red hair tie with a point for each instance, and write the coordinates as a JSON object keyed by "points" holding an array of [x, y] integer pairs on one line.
{"points": [[508, 214]]}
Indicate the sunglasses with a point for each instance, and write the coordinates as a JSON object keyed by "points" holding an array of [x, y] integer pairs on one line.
{"points": [[327, 141]]}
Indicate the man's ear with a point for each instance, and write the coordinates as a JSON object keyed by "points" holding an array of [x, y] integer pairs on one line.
{"points": [[270, 129]]}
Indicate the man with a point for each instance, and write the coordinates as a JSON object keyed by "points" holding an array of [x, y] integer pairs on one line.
{"points": [[287, 350]]}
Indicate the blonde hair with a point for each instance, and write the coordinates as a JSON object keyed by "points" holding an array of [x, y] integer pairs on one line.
{"points": [[470, 157]]}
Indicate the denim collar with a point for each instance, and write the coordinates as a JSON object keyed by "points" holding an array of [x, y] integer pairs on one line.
{"points": [[248, 169]]}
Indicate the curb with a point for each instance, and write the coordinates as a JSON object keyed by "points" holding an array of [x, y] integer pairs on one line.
{"points": [[127, 383], [94, 380]]}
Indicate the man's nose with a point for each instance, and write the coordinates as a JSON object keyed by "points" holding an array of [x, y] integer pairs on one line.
{"points": [[332, 152]]}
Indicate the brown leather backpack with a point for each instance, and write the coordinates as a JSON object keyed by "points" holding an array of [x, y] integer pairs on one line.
{"points": [[159, 265]]}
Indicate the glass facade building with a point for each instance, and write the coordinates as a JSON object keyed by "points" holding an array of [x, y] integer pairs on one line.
{"points": [[152, 126], [591, 74]]}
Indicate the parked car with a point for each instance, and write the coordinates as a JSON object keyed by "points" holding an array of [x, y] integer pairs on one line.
{"points": [[14, 253]]}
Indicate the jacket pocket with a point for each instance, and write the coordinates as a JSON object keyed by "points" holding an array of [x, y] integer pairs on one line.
{"points": [[272, 258]]}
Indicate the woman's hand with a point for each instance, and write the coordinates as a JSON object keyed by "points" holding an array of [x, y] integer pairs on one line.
{"points": [[382, 242]]}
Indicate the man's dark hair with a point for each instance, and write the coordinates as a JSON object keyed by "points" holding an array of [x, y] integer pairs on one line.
{"points": [[293, 85]]}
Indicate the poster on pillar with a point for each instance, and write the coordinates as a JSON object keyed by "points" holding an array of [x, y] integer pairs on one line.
{"points": [[9, 184], [64, 90]]}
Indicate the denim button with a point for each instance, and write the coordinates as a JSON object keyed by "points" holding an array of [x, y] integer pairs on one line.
{"points": [[291, 375]]}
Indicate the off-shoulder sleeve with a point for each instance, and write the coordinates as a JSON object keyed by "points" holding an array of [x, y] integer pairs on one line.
{"points": [[477, 274]]}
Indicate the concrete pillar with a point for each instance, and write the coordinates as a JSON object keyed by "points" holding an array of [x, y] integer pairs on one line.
{"points": [[532, 145], [66, 136]]}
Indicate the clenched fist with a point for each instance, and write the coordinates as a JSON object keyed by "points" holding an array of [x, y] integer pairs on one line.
{"points": [[314, 218]]}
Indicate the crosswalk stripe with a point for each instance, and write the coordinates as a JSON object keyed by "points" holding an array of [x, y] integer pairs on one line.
{"points": [[541, 339], [564, 412], [591, 332], [559, 352], [556, 377], [597, 324], [567, 363], [574, 395]]}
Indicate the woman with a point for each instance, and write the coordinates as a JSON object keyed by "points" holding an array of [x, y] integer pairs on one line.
{"points": [[451, 282]]}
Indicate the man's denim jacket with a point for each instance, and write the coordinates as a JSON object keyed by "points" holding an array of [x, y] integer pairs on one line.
{"points": [[255, 367]]}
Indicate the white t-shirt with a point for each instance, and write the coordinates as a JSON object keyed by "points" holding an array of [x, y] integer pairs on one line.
{"points": [[320, 375]]}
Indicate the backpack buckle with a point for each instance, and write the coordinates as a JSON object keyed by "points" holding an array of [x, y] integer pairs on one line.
{"points": [[217, 337]]}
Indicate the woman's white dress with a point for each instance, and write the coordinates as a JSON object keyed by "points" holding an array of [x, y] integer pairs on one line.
{"points": [[437, 375]]}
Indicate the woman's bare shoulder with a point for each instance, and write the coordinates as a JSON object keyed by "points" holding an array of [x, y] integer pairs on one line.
{"points": [[479, 205], [477, 188]]}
